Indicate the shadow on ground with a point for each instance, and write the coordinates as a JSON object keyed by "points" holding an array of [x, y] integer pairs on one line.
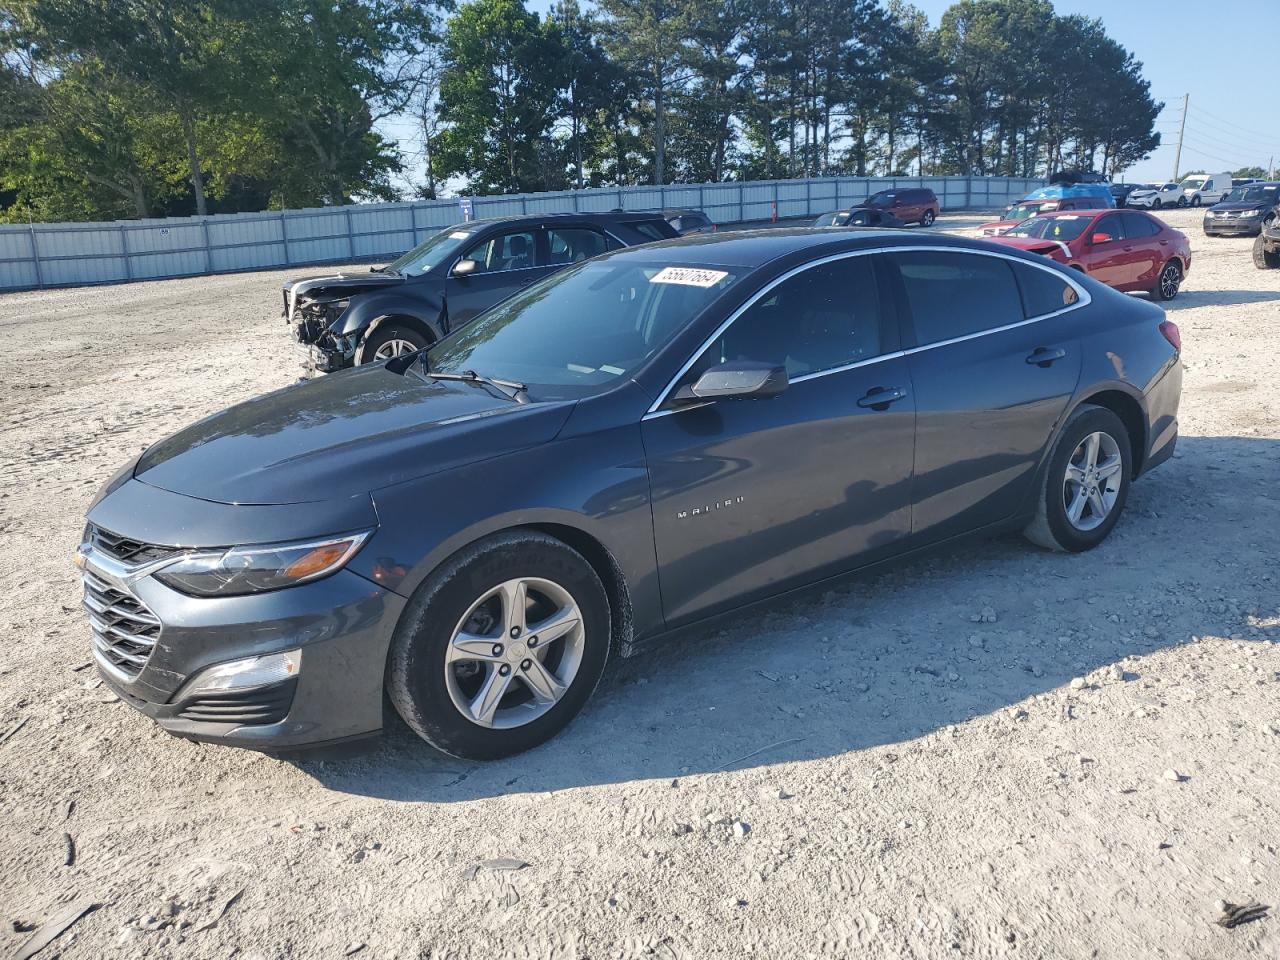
{"points": [[881, 658]]}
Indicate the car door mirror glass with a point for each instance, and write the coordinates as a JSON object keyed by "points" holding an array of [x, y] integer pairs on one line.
{"points": [[464, 268], [736, 380]]}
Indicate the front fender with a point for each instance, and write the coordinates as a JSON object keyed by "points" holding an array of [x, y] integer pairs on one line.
{"points": [[363, 312], [604, 496]]}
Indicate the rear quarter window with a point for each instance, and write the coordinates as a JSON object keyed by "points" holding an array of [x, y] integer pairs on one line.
{"points": [[654, 229], [1043, 291]]}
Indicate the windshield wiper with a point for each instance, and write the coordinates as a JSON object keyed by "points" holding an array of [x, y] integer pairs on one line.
{"points": [[508, 388]]}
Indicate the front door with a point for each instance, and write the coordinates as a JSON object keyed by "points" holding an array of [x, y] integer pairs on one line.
{"points": [[1111, 260], [753, 496], [989, 385], [505, 263]]}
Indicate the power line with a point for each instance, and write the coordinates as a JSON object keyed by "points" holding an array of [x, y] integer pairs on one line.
{"points": [[1221, 120], [1263, 145]]}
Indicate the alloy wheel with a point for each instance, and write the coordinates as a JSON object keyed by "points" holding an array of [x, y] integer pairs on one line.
{"points": [[1169, 280], [394, 348], [1091, 484], [515, 653]]}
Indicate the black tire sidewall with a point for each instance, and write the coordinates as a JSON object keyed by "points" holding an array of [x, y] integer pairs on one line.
{"points": [[1157, 292], [1088, 419], [416, 676], [390, 331]]}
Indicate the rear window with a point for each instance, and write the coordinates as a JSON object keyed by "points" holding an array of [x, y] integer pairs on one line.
{"points": [[1043, 291]]}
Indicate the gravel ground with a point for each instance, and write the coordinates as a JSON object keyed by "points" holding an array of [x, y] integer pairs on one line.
{"points": [[994, 751]]}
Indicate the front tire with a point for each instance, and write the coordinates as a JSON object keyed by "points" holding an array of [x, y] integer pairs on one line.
{"points": [[1155, 204], [1168, 282], [1195, 201], [501, 647], [1085, 484], [1263, 258], [390, 340]]}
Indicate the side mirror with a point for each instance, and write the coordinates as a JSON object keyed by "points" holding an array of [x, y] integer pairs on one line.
{"points": [[1100, 238], [736, 380], [463, 268]]}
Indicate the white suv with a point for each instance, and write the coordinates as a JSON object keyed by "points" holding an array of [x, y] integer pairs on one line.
{"points": [[1156, 195]]}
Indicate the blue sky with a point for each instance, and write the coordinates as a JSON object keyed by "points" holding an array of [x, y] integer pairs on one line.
{"points": [[1224, 53]]}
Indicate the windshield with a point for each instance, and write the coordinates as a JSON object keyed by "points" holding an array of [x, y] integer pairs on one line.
{"points": [[1254, 193], [882, 199], [1193, 183], [432, 251], [1065, 227], [1021, 211], [582, 329]]}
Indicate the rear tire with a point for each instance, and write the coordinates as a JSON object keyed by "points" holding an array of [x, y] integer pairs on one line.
{"points": [[1168, 282], [927, 219], [1263, 258], [458, 639], [390, 340], [1080, 500]]}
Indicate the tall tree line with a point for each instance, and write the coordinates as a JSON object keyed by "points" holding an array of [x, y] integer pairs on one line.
{"points": [[154, 107]]}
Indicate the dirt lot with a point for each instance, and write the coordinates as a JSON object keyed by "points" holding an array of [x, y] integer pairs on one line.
{"points": [[993, 752]]}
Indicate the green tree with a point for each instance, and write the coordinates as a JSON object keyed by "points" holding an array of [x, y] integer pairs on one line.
{"points": [[497, 94]]}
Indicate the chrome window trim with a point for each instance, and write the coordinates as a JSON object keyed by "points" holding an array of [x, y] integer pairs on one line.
{"points": [[1083, 300]]}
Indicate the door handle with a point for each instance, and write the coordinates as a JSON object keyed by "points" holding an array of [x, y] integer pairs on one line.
{"points": [[879, 398], [1044, 356]]}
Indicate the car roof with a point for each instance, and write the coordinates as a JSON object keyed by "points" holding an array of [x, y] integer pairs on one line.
{"points": [[755, 248], [611, 216]]}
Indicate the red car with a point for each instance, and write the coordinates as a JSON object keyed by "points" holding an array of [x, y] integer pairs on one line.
{"points": [[1015, 213], [1125, 249]]}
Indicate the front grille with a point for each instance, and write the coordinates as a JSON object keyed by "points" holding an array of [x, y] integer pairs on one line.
{"points": [[132, 552], [254, 707], [124, 630]]}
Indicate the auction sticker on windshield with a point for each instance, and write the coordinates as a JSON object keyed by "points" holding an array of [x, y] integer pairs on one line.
{"points": [[688, 276]]}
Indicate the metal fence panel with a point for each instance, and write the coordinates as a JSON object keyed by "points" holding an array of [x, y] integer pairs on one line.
{"points": [[67, 254]]}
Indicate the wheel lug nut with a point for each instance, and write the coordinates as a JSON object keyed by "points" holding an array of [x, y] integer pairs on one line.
{"points": [[533, 641], [526, 664], [504, 670], [497, 649], [515, 632]]}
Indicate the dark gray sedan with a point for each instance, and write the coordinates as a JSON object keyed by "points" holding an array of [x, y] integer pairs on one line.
{"points": [[637, 443]]}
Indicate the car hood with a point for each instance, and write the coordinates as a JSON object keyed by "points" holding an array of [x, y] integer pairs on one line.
{"points": [[1033, 245], [1237, 205], [343, 435], [337, 286]]}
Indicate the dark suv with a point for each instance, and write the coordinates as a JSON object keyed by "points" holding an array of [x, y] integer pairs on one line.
{"points": [[916, 205], [1245, 211], [445, 281]]}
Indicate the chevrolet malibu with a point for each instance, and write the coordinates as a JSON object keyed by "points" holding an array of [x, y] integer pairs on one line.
{"points": [[636, 444]]}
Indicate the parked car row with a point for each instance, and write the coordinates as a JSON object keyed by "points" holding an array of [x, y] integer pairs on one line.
{"points": [[641, 437]]}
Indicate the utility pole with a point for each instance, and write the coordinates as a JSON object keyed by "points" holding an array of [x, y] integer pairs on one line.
{"points": [[1177, 158]]}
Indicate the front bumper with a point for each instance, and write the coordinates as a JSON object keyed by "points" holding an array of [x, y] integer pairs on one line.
{"points": [[342, 624], [1235, 227]]}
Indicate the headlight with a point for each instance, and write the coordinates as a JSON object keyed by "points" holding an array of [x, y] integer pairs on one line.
{"points": [[256, 569], [1250, 214]]}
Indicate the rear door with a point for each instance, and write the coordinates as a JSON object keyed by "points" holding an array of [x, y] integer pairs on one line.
{"points": [[994, 362], [752, 496], [505, 262]]}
